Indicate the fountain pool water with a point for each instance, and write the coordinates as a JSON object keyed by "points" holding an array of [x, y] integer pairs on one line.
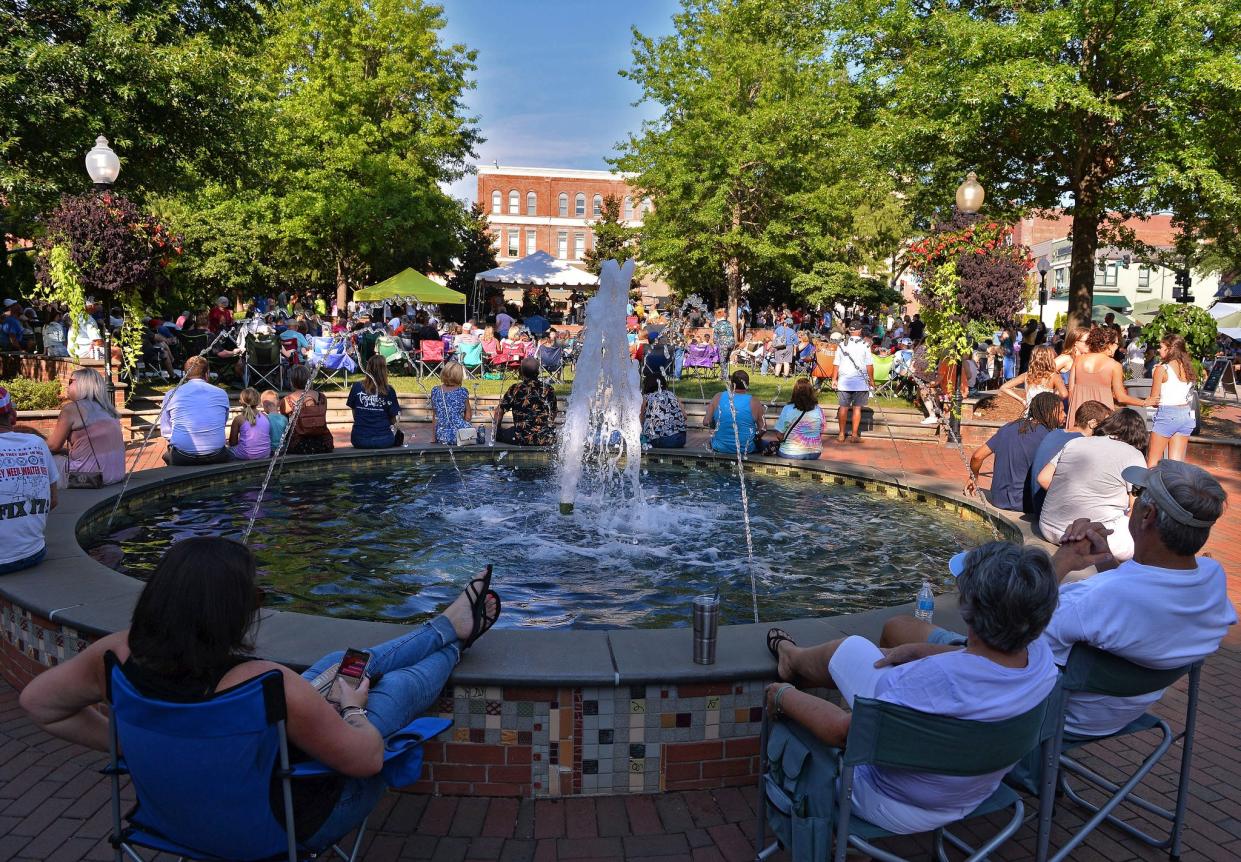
{"points": [[394, 540]]}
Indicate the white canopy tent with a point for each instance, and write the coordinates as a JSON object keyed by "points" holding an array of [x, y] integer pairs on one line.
{"points": [[538, 269]]}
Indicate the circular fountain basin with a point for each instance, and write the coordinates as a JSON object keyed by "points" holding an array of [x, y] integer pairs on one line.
{"points": [[564, 701]]}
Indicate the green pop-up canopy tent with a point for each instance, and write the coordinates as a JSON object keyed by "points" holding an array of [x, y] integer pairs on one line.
{"points": [[410, 283]]}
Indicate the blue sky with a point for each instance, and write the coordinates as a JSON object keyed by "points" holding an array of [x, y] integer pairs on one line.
{"points": [[548, 91]]}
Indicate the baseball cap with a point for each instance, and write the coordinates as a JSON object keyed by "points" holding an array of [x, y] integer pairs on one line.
{"points": [[836, 336], [956, 565], [1150, 483], [9, 303], [855, 325]]}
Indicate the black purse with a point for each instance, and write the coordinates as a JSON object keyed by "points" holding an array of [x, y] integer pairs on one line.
{"points": [[92, 479]]}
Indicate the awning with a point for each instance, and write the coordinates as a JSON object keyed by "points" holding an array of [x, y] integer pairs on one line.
{"points": [[410, 284], [1229, 291], [538, 268], [1120, 303], [1099, 315]]}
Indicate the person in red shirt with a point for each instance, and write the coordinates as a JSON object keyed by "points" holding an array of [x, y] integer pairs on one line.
{"points": [[220, 316]]}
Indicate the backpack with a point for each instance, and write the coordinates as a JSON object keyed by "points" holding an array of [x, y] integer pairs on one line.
{"points": [[312, 418], [800, 791]]}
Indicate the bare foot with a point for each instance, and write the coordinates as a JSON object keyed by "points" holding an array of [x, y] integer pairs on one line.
{"points": [[784, 661]]}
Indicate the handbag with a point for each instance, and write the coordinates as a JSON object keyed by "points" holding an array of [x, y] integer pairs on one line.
{"points": [[467, 436], [312, 417], [92, 479], [772, 447]]}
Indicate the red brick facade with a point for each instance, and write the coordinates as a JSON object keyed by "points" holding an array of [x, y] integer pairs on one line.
{"points": [[543, 220]]}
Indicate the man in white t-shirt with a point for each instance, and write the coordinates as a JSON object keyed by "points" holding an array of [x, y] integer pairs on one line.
{"points": [[853, 377], [1008, 593], [1162, 609], [28, 479]]}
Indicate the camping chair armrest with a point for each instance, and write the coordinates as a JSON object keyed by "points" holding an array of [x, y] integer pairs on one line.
{"points": [[413, 734]]}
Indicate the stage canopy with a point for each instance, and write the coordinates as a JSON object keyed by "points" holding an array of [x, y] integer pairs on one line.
{"points": [[410, 283], [539, 268]]}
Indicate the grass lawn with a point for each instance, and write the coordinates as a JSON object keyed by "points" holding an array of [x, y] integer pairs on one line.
{"points": [[768, 389]]}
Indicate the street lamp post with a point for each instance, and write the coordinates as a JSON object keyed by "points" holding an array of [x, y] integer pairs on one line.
{"points": [[1043, 266], [969, 198], [103, 167]]}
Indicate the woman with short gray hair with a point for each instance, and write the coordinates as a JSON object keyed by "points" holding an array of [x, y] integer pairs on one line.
{"points": [[1000, 670]]}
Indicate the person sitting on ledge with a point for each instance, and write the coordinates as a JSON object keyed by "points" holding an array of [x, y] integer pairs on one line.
{"points": [[1014, 445], [193, 419], [736, 416], [1002, 670], [375, 409], [533, 405], [28, 478], [89, 427], [310, 434], [191, 636], [249, 439], [661, 414], [1164, 608]]}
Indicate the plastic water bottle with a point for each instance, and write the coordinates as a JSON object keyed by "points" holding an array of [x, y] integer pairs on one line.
{"points": [[924, 609]]}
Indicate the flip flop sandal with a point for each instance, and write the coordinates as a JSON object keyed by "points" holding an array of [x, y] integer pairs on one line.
{"points": [[774, 638], [482, 621]]}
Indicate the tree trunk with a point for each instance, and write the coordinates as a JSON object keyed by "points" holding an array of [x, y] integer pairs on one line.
{"points": [[734, 276], [1082, 266], [342, 284]]}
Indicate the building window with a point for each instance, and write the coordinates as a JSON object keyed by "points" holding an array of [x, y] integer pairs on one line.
{"points": [[646, 206], [1062, 279], [1111, 273], [628, 207], [532, 241], [579, 246], [564, 205], [495, 201], [532, 203], [499, 239], [514, 202], [514, 237], [579, 204], [1144, 279], [596, 206], [562, 244]]}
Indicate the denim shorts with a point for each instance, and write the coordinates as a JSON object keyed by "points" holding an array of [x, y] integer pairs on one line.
{"points": [[945, 637], [1171, 421]]}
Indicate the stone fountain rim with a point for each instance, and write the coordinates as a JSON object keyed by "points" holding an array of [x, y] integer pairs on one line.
{"points": [[71, 589]]}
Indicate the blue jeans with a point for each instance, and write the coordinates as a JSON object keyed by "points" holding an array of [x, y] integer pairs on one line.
{"points": [[672, 441], [678, 361], [415, 668], [27, 562], [805, 456]]}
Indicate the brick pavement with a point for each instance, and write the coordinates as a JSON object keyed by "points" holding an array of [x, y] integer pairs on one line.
{"points": [[53, 802]]}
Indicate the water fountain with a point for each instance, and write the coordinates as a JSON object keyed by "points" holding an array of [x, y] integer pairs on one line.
{"points": [[601, 437]]}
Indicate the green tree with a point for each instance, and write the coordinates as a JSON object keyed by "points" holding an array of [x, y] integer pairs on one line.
{"points": [[477, 250], [1119, 108], [614, 240], [1195, 325], [368, 121], [166, 82], [752, 165]]}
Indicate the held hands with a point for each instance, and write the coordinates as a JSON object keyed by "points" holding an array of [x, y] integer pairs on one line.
{"points": [[1084, 544]]}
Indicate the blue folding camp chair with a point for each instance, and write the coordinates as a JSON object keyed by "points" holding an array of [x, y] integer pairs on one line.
{"points": [[329, 356], [204, 773]]}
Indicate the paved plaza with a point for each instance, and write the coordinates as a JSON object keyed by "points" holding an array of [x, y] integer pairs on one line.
{"points": [[53, 801]]}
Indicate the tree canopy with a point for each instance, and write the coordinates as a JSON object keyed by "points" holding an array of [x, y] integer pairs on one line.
{"points": [[1113, 109], [477, 250], [614, 240], [754, 164]]}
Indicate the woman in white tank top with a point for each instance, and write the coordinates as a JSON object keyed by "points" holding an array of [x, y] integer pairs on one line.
{"points": [[1172, 385]]}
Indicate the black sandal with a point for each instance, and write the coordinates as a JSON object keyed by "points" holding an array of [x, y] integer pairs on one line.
{"points": [[774, 638], [482, 621]]}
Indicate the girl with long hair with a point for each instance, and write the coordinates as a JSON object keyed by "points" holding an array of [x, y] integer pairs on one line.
{"points": [[192, 636], [375, 409], [1097, 376], [1074, 346], [1172, 385], [87, 437], [1041, 376], [250, 437]]}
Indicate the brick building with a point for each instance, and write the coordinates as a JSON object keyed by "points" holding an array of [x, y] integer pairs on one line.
{"points": [[550, 209]]}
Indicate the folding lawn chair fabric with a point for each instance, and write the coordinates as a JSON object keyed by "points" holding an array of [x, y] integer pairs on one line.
{"points": [[202, 772], [331, 359], [1093, 671], [393, 354], [896, 737], [885, 384], [430, 356], [702, 357], [262, 362], [470, 355], [551, 362]]}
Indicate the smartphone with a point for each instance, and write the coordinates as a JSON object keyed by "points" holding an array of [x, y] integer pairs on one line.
{"points": [[352, 667]]}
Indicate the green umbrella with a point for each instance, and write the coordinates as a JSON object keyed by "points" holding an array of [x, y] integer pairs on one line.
{"points": [[1145, 311], [1229, 321], [1100, 312]]}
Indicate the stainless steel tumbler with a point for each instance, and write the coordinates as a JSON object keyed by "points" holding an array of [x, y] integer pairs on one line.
{"points": [[706, 625]]}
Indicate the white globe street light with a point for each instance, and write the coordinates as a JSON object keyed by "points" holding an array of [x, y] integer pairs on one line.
{"points": [[970, 194], [102, 164]]}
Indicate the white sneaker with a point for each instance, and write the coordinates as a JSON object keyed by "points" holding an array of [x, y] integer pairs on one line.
{"points": [[930, 420]]}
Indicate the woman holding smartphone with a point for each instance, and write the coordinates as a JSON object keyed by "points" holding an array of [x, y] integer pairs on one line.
{"points": [[191, 637]]}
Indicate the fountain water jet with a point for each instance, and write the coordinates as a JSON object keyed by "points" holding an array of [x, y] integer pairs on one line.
{"points": [[601, 438]]}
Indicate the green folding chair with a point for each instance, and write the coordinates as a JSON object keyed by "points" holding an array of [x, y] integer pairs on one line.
{"points": [[896, 737], [1093, 671], [390, 349]]}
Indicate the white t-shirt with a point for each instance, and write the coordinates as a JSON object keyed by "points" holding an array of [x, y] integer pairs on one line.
{"points": [[953, 684], [27, 474], [1158, 618], [852, 375], [1088, 484], [82, 334], [194, 417]]}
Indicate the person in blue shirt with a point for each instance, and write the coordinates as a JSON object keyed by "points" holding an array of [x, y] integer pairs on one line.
{"points": [[14, 334], [537, 324], [1014, 446]]}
